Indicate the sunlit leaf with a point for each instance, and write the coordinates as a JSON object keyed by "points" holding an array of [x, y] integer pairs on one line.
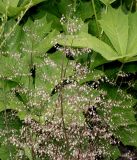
{"points": [[116, 29], [84, 40], [121, 32]]}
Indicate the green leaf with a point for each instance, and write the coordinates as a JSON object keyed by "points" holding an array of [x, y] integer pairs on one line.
{"points": [[116, 29], [85, 10], [13, 10], [9, 100], [28, 153], [97, 60], [2, 7], [38, 36], [63, 6], [49, 75], [110, 151], [13, 3], [54, 20], [41, 27], [13, 41], [114, 152], [119, 105], [13, 122], [46, 44], [128, 135], [34, 2], [132, 39], [92, 76], [118, 109], [84, 40], [13, 68], [72, 97], [37, 1], [130, 67], [121, 31], [4, 153], [93, 29], [122, 116]]}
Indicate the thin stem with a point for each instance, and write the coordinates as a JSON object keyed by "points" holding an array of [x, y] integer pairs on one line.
{"points": [[66, 68], [62, 117], [61, 104], [131, 6], [94, 10]]}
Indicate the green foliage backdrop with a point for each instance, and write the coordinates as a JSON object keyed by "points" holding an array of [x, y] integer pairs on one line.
{"points": [[68, 79]]}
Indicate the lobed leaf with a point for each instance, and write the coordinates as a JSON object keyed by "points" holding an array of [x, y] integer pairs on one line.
{"points": [[84, 40], [115, 25]]}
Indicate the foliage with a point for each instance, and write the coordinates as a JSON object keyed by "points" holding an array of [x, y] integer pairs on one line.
{"points": [[121, 32], [68, 79]]}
